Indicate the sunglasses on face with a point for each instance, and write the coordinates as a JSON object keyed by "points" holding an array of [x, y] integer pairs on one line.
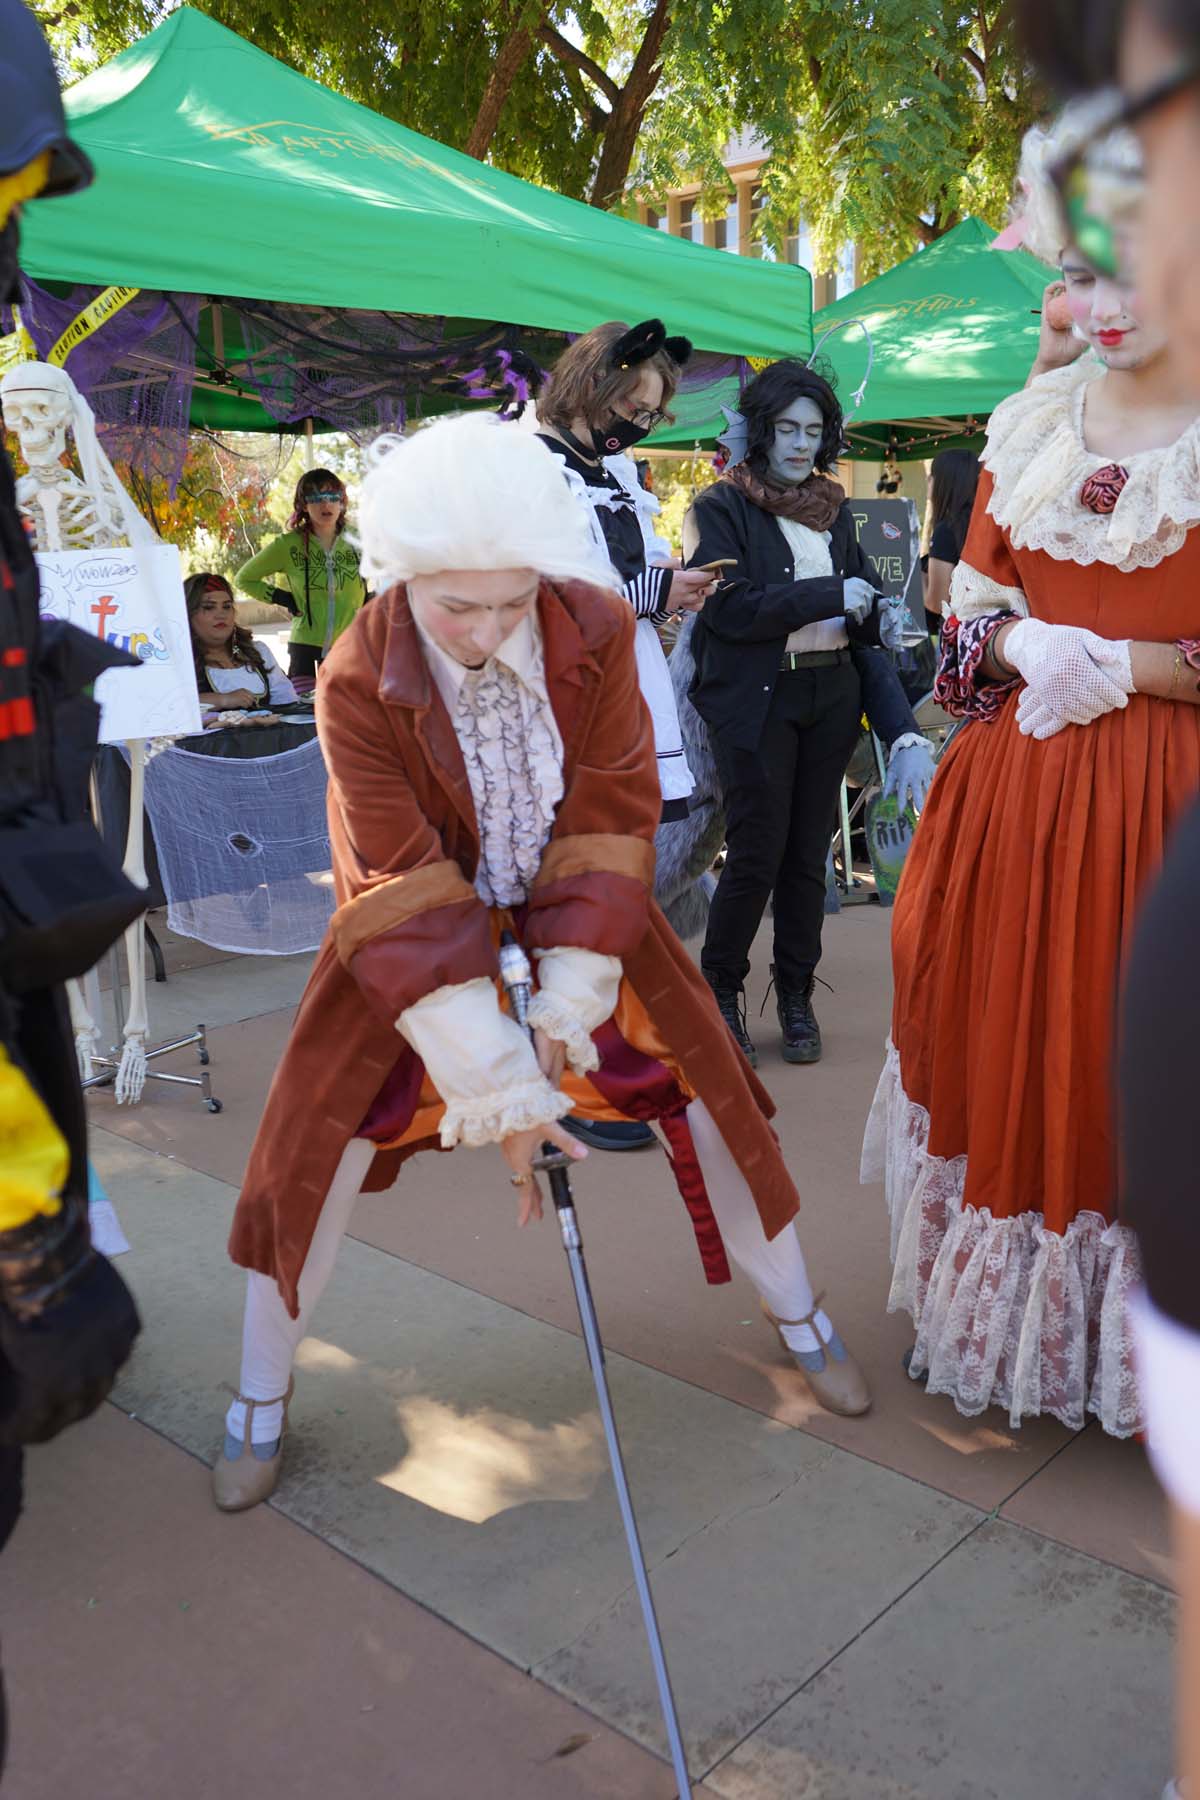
{"points": [[1100, 185], [329, 497]]}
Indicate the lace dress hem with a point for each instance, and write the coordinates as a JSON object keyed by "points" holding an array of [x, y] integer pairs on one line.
{"points": [[1007, 1311]]}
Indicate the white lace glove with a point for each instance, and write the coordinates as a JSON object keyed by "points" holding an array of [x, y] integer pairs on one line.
{"points": [[910, 769], [1071, 675]]}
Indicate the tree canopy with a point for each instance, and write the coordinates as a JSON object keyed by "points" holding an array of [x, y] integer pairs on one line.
{"points": [[887, 120]]}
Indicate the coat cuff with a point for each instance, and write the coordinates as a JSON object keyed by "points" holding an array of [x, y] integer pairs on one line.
{"points": [[407, 936], [577, 993], [481, 1063], [593, 892]]}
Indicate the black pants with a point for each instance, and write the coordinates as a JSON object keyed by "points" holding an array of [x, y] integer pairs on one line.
{"points": [[781, 807], [304, 661]]}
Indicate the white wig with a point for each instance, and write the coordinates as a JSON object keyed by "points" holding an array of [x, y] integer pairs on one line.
{"points": [[1036, 205], [471, 492]]}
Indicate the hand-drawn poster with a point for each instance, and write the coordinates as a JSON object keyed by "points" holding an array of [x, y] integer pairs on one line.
{"points": [[134, 599]]}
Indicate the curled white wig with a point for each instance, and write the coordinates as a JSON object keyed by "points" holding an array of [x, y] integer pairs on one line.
{"points": [[471, 492], [1036, 205]]}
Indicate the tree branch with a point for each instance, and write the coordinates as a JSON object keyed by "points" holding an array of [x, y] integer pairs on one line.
{"points": [[509, 62], [974, 61], [629, 108], [592, 115], [568, 52]]}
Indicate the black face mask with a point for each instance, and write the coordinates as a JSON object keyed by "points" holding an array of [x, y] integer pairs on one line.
{"points": [[618, 434]]}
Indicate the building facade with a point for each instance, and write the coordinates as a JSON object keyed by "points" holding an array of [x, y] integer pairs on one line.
{"points": [[738, 231]]}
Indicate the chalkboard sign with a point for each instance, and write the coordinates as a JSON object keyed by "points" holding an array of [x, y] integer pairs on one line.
{"points": [[890, 534]]}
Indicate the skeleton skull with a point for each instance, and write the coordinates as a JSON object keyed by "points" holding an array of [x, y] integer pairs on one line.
{"points": [[40, 417]]}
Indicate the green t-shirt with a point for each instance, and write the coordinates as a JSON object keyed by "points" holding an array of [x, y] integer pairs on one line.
{"points": [[282, 564]]}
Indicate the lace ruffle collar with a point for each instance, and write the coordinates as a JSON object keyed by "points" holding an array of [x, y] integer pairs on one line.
{"points": [[1038, 463]]}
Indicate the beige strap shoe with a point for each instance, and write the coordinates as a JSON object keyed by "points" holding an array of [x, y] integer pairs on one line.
{"points": [[833, 1376], [247, 1480]]}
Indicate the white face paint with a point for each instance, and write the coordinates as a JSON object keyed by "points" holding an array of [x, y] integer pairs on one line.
{"points": [[798, 433], [39, 418]]}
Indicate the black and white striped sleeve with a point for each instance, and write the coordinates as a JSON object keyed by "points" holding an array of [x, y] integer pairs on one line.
{"points": [[647, 593]]}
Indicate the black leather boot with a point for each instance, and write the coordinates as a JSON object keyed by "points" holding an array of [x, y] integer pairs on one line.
{"points": [[798, 1021], [731, 1001]]}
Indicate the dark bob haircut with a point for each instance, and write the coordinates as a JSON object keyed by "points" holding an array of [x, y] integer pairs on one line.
{"points": [[953, 479], [771, 393]]}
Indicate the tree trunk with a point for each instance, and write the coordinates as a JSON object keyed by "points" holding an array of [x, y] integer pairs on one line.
{"points": [[625, 120], [513, 54]]}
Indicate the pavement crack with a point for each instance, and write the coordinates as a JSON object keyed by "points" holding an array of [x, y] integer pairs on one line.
{"points": [[870, 1624]]}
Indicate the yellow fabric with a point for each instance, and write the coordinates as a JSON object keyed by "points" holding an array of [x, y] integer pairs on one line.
{"points": [[34, 1158], [23, 184]]}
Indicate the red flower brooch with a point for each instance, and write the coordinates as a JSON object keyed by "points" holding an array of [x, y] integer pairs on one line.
{"points": [[1101, 491]]}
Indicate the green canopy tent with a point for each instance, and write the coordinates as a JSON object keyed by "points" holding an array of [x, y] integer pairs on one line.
{"points": [[954, 329], [224, 174]]}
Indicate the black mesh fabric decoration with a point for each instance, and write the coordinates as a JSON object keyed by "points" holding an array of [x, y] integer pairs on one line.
{"points": [[136, 371], [359, 372]]}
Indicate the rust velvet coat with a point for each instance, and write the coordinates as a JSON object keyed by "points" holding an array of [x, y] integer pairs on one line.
{"points": [[408, 920]]}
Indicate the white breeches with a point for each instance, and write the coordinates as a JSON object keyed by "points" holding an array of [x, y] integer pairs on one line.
{"points": [[271, 1338]]}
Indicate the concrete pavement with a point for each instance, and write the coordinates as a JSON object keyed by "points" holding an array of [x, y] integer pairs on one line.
{"points": [[437, 1601]]}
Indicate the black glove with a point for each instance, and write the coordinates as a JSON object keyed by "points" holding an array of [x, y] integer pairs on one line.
{"points": [[67, 1323], [285, 598]]}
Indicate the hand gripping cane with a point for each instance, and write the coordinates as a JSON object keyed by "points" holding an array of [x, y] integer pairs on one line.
{"points": [[518, 983]]}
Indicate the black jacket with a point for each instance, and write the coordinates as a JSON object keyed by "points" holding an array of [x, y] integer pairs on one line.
{"points": [[743, 630]]}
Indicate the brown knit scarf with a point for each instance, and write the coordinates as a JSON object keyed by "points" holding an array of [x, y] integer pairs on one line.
{"points": [[814, 502]]}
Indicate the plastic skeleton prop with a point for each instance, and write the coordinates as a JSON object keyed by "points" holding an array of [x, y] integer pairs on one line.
{"points": [[66, 512]]}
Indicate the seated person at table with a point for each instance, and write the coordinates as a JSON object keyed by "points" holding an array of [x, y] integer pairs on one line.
{"points": [[233, 671]]}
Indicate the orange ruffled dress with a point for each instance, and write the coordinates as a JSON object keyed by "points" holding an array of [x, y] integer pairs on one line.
{"points": [[993, 1126]]}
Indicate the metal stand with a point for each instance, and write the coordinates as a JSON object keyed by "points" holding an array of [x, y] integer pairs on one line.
{"points": [[854, 892], [517, 977], [111, 1063]]}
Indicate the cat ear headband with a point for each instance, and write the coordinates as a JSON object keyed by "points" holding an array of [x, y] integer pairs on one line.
{"points": [[643, 341]]}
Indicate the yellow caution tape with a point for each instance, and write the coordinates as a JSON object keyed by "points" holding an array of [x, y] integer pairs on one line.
{"points": [[17, 346], [90, 319]]}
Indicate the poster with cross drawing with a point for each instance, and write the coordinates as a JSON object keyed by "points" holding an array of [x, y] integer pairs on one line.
{"points": [[133, 599]]}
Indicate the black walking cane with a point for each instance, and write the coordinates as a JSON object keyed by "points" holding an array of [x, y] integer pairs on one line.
{"points": [[518, 983]]}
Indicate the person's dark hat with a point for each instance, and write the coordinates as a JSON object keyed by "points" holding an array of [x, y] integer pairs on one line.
{"points": [[31, 108]]}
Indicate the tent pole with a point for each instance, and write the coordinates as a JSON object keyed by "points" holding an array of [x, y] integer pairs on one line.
{"points": [[309, 456]]}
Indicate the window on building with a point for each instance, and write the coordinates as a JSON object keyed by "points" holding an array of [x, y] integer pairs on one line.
{"points": [[798, 245], [691, 225], [727, 233], [759, 244], [655, 220]]}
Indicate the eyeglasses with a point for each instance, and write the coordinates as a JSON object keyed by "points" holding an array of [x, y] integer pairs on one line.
{"points": [[645, 418], [327, 497], [1100, 185]]}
